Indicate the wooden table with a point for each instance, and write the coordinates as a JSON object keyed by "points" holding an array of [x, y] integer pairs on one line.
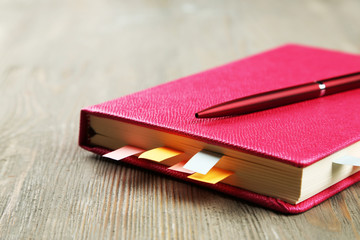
{"points": [[59, 56]]}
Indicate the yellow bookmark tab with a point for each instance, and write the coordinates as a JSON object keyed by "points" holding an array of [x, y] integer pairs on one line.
{"points": [[215, 175], [179, 167], [123, 152], [159, 154]]}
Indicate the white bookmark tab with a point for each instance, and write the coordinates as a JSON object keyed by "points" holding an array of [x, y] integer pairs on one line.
{"points": [[180, 167], [123, 152], [348, 160], [202, 162]]}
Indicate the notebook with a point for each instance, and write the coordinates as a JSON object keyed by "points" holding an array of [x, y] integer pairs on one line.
{"points": [[288, 159]]}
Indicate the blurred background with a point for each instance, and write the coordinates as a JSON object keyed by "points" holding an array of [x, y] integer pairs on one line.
{"points": [[143, 43], [59, 56]]}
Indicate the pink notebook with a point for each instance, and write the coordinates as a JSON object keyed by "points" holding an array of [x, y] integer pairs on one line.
{"points": [[299, 135]]}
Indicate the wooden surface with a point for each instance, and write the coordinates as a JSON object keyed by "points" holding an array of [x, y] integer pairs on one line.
{"points": [[59, 56]]}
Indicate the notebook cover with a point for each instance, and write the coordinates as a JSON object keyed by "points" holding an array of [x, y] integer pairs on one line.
{"points": [[298, 134]]}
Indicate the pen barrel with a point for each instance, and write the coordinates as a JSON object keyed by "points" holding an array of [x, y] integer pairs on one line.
{"points": [[281, 97]]}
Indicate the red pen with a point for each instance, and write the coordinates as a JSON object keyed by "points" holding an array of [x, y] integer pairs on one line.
{"points": [[281, 97]]}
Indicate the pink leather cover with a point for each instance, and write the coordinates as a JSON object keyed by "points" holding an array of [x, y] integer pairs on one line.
{"points": [[298, 134]]}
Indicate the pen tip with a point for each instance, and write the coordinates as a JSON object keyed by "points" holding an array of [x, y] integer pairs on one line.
{"points": [[196, 115]]}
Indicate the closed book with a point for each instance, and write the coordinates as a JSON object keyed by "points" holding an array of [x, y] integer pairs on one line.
{"points": [[281, 158]]}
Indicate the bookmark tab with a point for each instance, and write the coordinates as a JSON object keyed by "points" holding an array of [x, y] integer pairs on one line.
{"points": [[179, 167], [123, 152], [160, 154], [202, 162], [215, 175], [348, 160]]}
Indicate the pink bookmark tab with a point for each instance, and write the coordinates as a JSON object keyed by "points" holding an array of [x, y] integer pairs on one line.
{"points": [[179, 167], [123, 152]]}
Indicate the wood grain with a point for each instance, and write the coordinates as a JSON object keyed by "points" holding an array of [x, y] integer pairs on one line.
{"points": [[59, 56]]}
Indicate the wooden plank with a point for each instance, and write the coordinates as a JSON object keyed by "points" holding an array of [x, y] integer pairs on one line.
{"points": [[58, 57]]}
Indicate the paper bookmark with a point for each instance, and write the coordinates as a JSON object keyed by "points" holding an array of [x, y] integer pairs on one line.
{"points": [[159, 154], [179, 167], [202, 162], [123, 152], [215, 175], [348, 160]]}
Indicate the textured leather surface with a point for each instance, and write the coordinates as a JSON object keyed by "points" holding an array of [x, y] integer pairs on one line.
{"points": [[298, 134]]}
